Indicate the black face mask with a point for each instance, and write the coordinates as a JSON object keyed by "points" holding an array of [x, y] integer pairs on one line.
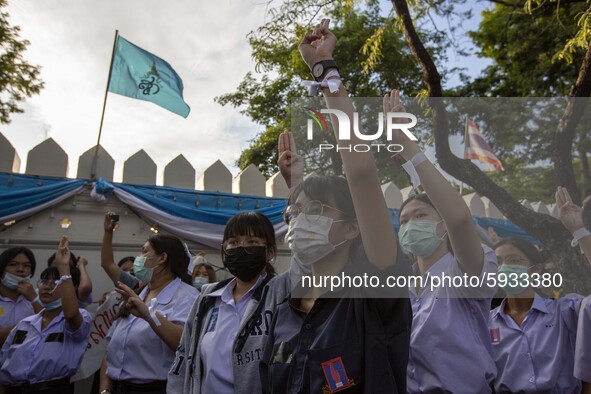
{"points": [[245, 263]]}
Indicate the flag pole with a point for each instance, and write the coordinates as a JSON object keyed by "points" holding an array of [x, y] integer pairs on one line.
{"points": [[465, 139], [98, 141]]}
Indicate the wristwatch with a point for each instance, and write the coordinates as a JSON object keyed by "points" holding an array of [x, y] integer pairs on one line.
{"points": [[105, 391], [319, 68]]}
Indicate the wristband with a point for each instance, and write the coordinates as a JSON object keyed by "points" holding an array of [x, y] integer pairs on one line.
{"points": [[152, 316], [410, 168], [64, 278], [333, 84], [330, 74], [578, 235]]}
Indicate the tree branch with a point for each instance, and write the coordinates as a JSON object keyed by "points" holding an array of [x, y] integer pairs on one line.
{"points": [[545, 228], [565, 133]]}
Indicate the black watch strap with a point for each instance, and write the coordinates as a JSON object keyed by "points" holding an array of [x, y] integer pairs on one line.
{"points": [[320, 68]]}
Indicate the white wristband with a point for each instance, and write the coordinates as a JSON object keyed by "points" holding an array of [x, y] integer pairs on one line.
{"points": [[333, 84], [152, 316], [332, 73], [578, 235]]}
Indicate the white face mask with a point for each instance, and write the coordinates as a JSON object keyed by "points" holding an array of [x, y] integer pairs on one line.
{"points": [[308, 240]]}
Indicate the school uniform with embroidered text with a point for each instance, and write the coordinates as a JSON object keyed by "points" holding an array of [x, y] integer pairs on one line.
{"points": [[538, 355], [194, 370], [33, 354]]}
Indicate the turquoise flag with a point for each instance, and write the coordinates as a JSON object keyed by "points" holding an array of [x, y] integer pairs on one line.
{"points": [[139, 74]]}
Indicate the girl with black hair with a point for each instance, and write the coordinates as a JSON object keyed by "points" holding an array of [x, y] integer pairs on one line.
{"points": [[229, 323], [18, 298], [84, 290], [142, 344], [44, 350], [450, 321], [344, 339], [533, 338]]}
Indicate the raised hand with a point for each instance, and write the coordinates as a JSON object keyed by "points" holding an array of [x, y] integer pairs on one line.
{"points": [[569, 213], [133, 302], [81, 261], [27, 290], [62, 256], [391, 103], [109, 224], [318, 45], [291, 165]]}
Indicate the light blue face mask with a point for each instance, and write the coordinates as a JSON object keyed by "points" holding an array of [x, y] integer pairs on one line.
{"points": [[140, 271], [11, 281], [50, 306], [515, 284], [199, 281], [419, 237]]}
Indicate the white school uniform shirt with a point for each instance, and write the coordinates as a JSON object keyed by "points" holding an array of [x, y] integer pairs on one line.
{"points": [[12, 312], [32, 354], [216, 345], [450, 349], [538, 356], [135, 352]]}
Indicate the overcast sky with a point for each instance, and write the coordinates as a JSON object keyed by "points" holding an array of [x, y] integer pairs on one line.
{"points": [[72, 40], [205, 43]]}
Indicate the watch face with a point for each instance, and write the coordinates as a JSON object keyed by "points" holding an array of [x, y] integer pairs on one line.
{"points": [[317, 70]]}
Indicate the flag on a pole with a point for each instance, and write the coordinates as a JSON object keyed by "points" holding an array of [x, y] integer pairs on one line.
{"points": [[476, 147], [139, 74]]}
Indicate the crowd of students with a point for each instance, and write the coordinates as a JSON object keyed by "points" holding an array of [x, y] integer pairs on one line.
{"points": [[180, 331]]}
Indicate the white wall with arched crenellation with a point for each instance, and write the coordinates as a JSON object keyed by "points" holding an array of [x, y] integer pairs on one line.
{"points": [[42, 231]]}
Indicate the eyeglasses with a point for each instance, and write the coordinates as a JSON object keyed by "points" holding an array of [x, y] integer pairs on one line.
{"points": [[47, 282], [233, 243], [312, 209]]}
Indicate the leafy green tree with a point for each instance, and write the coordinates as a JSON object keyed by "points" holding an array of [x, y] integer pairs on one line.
{"points": [[365, 36], [18, 79], [547, 229]]}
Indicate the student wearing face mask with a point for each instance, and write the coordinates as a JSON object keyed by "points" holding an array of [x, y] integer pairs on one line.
{"points": [[44, 350], [142, 341], [18, 298], [322, 339], [449, 322], [228, 324], [533, 338], [203, 273]]}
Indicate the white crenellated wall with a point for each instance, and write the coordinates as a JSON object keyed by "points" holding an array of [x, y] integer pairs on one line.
{"points": [[49, 159]]}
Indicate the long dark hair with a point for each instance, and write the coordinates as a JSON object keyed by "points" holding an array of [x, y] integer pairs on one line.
{"points": [[177, 261], [9, 254]]}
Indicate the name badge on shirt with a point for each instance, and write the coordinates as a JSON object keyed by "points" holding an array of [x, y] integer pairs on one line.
{"points": [[495, 335], [213, 320], [336, 376], [1, 311]]}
